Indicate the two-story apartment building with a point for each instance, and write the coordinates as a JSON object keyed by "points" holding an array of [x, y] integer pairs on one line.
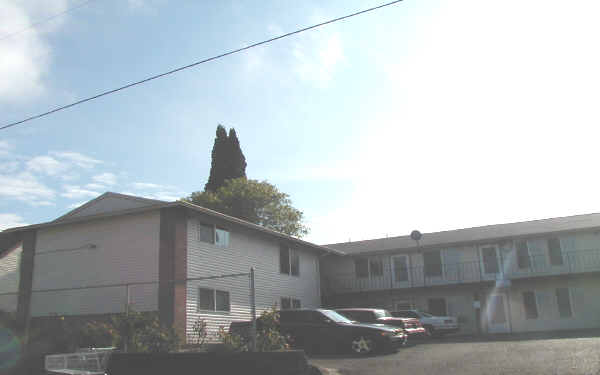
{"points": [[528, 276], [118, 250]]}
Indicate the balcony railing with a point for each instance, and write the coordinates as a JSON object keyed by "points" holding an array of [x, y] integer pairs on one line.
{"points": [[506, 267]]}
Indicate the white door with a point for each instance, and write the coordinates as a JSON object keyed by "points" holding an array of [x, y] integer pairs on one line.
{"points": [[490, 264], [400, 271], [497, 314]]}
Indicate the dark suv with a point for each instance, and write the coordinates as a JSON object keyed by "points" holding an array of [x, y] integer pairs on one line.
{"points": [[320, 329], [412, 327]]}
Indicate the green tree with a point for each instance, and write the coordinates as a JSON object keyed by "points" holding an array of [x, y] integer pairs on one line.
{"points": [[255, 201], [228, 160]]}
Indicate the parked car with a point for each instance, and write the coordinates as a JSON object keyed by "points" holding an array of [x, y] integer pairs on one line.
{"points": [[434, 325], [412, 327], [321, 329]]}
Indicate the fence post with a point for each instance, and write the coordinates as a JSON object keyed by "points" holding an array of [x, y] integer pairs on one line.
{"points": [[252, 311]]}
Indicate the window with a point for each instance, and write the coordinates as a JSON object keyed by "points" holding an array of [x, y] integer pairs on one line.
{"points": [[531, 311], [285, 303], [222, 237], [563, 298], [400, 268], [284, 260], [368, 267], [296, 303], [433, 263], [361, 267], [376, 267], [523, 260], [554, 251], [289, 261], [213, 300], [490, 261], [437, 306], [206, 233]]}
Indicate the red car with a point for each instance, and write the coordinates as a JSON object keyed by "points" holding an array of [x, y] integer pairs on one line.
{"points": [[412, 326]]}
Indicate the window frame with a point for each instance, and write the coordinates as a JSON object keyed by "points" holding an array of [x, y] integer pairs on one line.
{"points": [[293, 303], [370, 274], [535, 305], [560, 253], [427, 267], [519, 257], [214, 301], [570, 300], [402, 271], [204, 224], [292, 254], [223, 229]]}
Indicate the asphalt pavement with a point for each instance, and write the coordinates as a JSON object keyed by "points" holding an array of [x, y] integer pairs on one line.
{"points": [[523, 354]]}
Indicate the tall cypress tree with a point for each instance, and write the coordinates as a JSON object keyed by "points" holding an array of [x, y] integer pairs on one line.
{"points": [[228, 160], [237, 167], [218, 167]]}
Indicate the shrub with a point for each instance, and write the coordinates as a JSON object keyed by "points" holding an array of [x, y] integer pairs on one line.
{"points": [[232, 342], [268, 337], [200, 331]]}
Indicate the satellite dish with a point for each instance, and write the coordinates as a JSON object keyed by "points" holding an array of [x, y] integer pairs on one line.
{"points": [[416, 235]]}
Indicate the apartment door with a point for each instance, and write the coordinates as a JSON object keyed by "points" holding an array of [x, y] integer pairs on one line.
{"points": [[497, 313], [400, 271]]}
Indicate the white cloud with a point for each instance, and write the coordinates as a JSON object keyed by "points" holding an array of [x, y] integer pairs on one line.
{"points": [[11, 221], [77, 192], [5, 148], [76, 158], [147, 185], [73, 206], [106, 178], [25, 57], [317, 55], [9, 166], [24, 187], [95, 186], [46, 165]]}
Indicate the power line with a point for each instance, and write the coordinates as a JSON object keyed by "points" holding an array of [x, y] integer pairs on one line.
{"points": [[34, 24], [196, 63]]}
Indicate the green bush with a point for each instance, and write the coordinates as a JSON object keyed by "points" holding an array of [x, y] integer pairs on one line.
{"points": [[232, 343], [268, 337], [200, 331]]}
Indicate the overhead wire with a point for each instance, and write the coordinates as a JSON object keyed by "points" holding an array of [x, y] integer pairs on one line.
{"points": [[112, 91]]}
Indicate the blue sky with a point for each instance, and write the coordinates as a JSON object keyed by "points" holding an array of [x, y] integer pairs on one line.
{"points": [[426, 115]]}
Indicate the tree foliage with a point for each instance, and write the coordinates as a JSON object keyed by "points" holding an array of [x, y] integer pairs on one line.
{"points": [[228, 160], [255, 201]]}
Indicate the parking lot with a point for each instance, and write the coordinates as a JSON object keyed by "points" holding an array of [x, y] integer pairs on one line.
{"points": [[523, 354]]}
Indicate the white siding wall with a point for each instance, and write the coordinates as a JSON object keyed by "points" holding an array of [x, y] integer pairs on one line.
{"points": [[246, 249], [9, 279], [126, 251]]}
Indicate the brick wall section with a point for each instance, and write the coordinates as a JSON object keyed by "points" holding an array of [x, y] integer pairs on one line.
{"points": [[26, 279], [172, 266]]}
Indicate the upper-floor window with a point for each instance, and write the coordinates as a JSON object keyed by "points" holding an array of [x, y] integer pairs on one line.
{"points": [[523, 260], [555, 252], [432, 261], [289, 261], [221, 237], [365, 267], [206, 233], [215, 235], [530, 305], [490, 259]]}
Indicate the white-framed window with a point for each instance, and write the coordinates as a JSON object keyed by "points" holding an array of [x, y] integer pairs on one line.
{"points": [[213, 300], [289, 261], [206, 233], [221, 237], [523, 258], [555, 251], [563, 300], [530, 305], [290, 303], [368, 267]]}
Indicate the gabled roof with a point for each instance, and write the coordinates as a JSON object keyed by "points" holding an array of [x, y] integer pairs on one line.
{"points": [[149, 205], [122, 200], [473, 235]]}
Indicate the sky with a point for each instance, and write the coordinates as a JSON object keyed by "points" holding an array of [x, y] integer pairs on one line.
{"points": [[428, 115]]}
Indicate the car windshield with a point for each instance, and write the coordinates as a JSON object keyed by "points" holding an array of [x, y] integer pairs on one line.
{"points": [[338, 318], [383, 314]]}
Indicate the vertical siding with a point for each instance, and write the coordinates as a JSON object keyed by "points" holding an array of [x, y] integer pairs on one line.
{"points": [[9, 279], [246, 249], [126, 251]]}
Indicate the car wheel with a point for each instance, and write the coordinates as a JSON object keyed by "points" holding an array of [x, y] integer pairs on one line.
{"points": [[362, 345], [429, 331]]}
